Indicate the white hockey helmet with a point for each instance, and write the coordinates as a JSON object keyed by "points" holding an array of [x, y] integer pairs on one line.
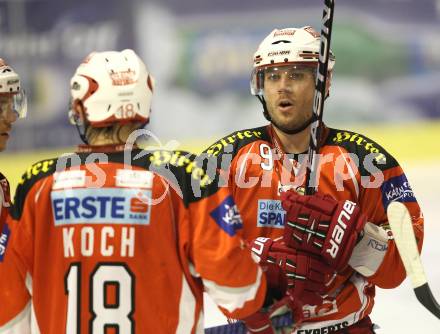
{"points": [[114, 87], [297, 46], [10, 85]]}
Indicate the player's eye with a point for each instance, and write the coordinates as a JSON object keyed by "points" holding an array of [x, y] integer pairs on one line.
{"points": [[273, 76], [296, 75]]}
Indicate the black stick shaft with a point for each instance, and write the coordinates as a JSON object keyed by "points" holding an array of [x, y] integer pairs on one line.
{"points": [[320, 94]]}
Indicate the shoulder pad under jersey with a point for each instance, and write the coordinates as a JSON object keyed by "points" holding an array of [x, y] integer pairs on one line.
{"points": [[233, 142], [32, 175], [180, 168], [363, 147]]}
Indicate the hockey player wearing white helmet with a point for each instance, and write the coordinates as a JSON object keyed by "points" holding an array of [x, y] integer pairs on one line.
{"points": [[283, 79], [113, 238], [109, 101], [322, 242], [12, 106], [12, 101]]}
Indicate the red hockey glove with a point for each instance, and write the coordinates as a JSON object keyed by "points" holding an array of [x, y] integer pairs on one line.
{"points": [[303, 275], [322, 225]]}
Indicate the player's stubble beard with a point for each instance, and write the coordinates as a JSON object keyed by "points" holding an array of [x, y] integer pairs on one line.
{"points": [[293, 126]]}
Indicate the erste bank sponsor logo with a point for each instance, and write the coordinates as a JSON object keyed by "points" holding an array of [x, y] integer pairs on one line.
{"points": [[397, 189], [4, 237], [270, 213], [226, 216], [101, 206]]}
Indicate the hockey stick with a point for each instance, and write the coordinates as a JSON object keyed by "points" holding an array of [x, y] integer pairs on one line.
{"points": [[320, 91], [318, 107], [401, 226], [278, 322]]}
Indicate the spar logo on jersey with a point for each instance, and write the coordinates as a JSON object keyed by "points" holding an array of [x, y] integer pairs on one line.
{"points": [[226, 216], [397, 189], [101, 206], [4, 237], [270, 213]]}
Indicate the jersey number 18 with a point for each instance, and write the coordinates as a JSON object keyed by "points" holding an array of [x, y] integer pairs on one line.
{"points": [[104, 315]]}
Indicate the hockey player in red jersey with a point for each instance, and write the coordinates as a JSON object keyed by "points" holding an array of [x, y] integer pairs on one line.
{"points": [[345, 223], [111, 240], [12, 106]]}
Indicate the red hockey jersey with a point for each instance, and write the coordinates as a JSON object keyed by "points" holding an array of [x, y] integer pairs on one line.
{"points": [[352, 167], [124, 243]]}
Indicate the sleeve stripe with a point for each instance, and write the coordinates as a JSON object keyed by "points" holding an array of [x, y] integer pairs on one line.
{"points": [[232, 299]]}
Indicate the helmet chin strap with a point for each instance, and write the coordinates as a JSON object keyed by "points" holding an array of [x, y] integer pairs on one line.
{"points": [[82, 129], [82, 134], [265, 112], [80, 121], [287, 131]]}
